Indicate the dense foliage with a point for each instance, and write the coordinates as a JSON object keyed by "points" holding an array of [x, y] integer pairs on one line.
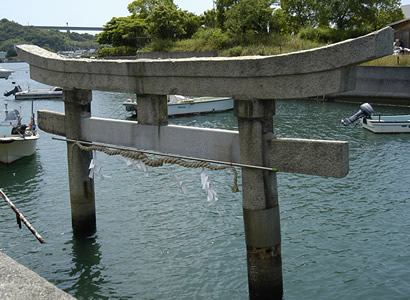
{"points": [[159, 24], [12, 33], [234, 24], [335, 20]]}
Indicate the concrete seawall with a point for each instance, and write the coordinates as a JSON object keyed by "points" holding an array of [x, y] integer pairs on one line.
{"points": [[17, 282], [384, 85]]}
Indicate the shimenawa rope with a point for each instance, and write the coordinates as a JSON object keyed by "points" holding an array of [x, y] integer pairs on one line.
{"points": [[136, 155]]}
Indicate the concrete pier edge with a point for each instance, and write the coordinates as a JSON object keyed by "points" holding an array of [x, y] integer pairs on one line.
{"points": [[18, 282]]}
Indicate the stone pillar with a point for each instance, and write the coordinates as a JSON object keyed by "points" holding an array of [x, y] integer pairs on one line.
{"points": [[260, 200], [152, 110], [77, 104]]}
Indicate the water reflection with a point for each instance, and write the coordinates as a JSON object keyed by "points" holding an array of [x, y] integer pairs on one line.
{"points": [[24, 174], [86, 270]]}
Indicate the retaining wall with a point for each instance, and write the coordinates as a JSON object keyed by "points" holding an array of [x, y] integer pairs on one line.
{"points": [[390, 85]]}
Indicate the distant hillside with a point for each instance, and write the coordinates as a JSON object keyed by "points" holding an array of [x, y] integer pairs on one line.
{"points": [[12, 33]]}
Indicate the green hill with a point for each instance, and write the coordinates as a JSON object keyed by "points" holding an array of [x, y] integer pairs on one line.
{"points": [[12, 33]]}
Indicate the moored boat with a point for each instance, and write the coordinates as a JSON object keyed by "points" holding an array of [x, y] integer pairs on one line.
{"points": [[184, 106], [16, 140], [379, 123], [5, 73], [19, 94]]}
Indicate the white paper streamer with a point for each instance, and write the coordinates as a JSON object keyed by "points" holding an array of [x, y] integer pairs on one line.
{"points": [[95, 170], [129, 162], [206, 185], [142, 167], [136, 164], [181, 185]]}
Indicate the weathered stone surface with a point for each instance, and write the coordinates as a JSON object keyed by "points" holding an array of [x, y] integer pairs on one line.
{"points": [[311, 157], [314, 157], [152, 110], [320, 71], [19, 283], [51, 121], [77, 105]]}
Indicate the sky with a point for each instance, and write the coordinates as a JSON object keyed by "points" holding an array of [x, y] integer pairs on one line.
{"points": [[82, 12], [79, 12]]}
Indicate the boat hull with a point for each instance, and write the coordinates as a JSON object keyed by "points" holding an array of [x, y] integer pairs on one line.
{"points": [[38, 95], [5, 73], [13, 148], [195, 106], [387, 124]]}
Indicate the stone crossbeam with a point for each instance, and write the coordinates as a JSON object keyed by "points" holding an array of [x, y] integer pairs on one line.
{"points": [[319, 71], [312, 157]]}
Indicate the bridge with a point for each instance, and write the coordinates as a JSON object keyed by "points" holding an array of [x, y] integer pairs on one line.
{"points": [[70, 28]]}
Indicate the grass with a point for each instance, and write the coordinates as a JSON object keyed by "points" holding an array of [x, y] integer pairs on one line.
{"points": [[272, 46], [402, 60]]}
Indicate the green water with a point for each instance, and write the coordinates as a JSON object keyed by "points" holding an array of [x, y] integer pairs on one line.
{"points": [[343, 238]]}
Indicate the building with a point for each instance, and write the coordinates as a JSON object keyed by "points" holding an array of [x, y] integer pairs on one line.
{"points": [[402, 28], [406, 10], [402, 32]]}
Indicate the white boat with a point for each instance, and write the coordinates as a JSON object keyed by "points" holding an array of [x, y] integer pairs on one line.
{"points": [[184, 106], [16, 140], [387, 124], [51, 93], [378, 123], [5, 73]]}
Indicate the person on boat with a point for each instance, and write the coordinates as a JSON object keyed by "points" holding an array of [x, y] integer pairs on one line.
{"points": [[398, 46], [32, 125]]}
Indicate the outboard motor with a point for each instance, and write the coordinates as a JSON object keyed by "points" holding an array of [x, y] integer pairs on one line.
{"points": [[13, 91], [365, 111]]}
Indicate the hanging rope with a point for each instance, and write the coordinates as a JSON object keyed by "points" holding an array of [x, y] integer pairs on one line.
{"points": [[158, 162]]}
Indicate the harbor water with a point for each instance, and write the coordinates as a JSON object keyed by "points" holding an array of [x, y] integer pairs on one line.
{"points": [[342, 238]]}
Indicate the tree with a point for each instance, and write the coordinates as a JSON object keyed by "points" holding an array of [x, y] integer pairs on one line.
{"points": [[348, 17], [249, 17], [364, 15], [301, 13], [346, 13], [166, 22], [278, 23], [209, 18], [191, 23], [124, 31], [144, 8], [383, 13], [222, 6]]}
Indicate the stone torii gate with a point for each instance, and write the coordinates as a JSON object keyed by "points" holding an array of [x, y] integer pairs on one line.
{"points": [[253, 82]]}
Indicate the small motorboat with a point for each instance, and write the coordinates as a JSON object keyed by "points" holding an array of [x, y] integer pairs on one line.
{"points": [[17, 140], [185, 106], [5, 73], [19, 94], [378, 123]]}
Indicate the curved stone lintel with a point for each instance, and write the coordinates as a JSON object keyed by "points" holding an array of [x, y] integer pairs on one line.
{"points": [[300, 74]]}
